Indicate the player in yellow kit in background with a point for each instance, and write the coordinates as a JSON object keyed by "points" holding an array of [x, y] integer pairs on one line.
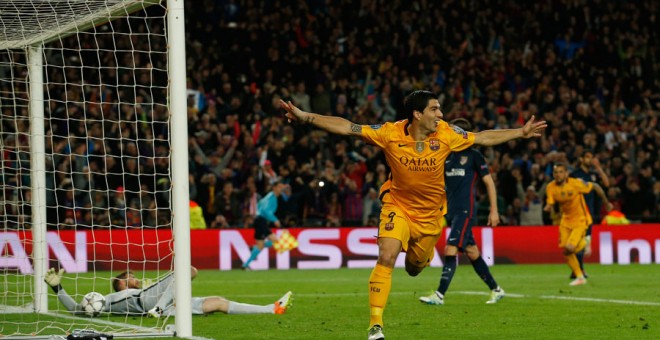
{"points": [[414, 201], [575, 217]]}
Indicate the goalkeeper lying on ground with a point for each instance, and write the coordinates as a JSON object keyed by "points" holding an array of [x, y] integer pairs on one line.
{"points": [[158, 299]]}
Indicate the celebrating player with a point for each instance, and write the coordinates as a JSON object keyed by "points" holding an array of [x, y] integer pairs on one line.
{"points": [[461, 171], [157, 299], [575, 217], [414, 199]]}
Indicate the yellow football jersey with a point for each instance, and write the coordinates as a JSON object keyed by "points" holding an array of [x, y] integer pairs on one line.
{"points": [[574, 211], [417, 179]]}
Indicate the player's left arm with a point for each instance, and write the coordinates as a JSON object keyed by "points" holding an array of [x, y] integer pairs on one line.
{"points": [[601, 193], [495, 137], [493, 216], [603, 176]]}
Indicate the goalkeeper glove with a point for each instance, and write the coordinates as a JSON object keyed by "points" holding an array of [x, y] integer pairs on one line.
{"points": [[146, 283], [53, 278]]}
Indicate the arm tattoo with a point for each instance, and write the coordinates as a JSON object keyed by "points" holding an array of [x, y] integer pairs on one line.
{"points": [[356, 128], [309, 119]]}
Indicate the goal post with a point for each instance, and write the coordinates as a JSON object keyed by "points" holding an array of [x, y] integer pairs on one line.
{"points": [[94, 155], [180, 187]]}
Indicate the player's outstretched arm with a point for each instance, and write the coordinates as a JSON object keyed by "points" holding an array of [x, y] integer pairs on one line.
{"points": [[495, 137], [331, 124], [54, 278]]}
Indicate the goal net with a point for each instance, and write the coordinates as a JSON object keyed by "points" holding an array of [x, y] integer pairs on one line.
{"points": [[86, 95]]}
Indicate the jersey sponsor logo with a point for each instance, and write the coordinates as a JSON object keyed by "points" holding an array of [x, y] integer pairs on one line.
{"points": [[434, 144], [463, 160], [376, 126], [389, 226], [419, 164], [455, 173], [460, 131]]}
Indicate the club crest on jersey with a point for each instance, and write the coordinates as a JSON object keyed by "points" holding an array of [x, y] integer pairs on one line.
{"points": [[463, 160], [389, 226], [419, 146], [434, 144]]}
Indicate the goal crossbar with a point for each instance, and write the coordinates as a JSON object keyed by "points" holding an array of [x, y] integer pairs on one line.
{"points": [[57, 19]]}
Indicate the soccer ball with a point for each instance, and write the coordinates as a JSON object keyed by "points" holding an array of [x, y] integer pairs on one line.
{"points": [[93, 304]]}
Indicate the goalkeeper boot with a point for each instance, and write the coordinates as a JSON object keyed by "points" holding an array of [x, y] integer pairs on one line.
{"points": [[155, 312], [434, 299], [495, 295], [284, 303], [376, 333]]}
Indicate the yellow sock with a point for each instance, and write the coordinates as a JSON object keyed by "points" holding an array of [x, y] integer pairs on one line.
{"points": [[574, 264], [380, 283]]}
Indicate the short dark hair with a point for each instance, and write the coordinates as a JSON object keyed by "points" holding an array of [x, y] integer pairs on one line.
{"points": [[586, 151], [561, 164], [462, 123], [417, 101], [116, 281]]}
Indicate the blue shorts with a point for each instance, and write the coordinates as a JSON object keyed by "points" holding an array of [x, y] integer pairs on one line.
{"points": [[460, 235]]}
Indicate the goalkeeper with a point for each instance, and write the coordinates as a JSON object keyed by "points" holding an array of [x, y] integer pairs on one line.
{"points": [[157, 299]]}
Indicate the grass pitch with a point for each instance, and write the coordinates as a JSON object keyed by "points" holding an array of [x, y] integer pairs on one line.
{"points": [[619, 302]]}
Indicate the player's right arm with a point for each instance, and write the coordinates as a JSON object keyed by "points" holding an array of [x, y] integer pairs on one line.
{"points": [[69, 303], [550, 200], [336, 125], [54, 278]]}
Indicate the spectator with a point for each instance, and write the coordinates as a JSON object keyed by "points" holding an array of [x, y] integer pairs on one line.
{"points": [[598, 94]]}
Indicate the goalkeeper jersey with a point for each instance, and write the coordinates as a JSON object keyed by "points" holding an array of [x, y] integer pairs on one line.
{"points": [[129, 301]]}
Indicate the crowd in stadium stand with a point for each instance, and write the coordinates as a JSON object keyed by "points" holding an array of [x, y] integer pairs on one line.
{"points": [[589, 68]]}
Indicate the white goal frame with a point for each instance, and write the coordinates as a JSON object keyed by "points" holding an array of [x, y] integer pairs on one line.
{"points": [[178, 142]]}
